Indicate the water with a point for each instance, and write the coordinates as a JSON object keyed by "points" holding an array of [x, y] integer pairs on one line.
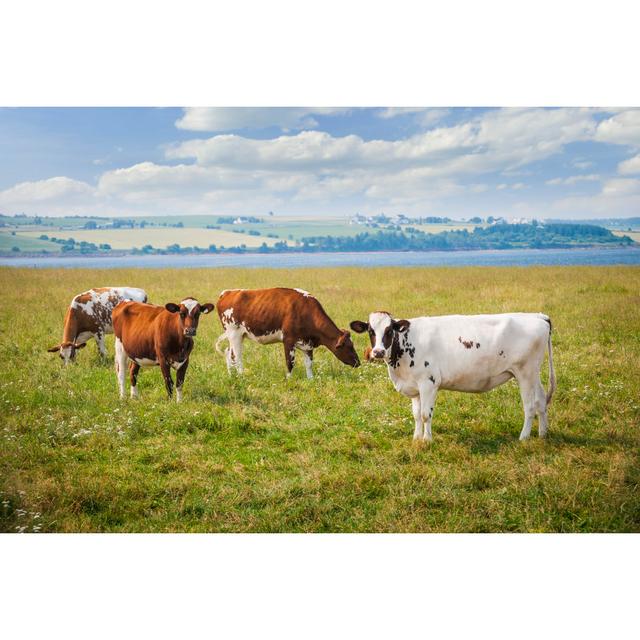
{"points": [[504, 258]]}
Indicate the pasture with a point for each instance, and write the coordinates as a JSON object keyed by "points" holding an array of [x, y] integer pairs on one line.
{"points": [[160, 238], [265, 454]]}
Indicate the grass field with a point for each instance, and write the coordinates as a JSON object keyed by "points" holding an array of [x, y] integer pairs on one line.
{"points": [[159, 238], [26, 242], [261, 453], [634, 235]]}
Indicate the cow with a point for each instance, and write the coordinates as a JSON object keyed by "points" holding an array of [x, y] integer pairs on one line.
{"points": [[152, 335], [89, 316], [291, 316], [464, 353]]}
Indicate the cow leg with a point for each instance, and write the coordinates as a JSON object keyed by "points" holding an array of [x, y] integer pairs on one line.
{"points": [[289, 354], [541, 408], [417, 416], [121, 365], [234, 355], [166, 374], [100, 342], [134, 368], [307, 354], [180, 374], [528, 394], [428, 395]]}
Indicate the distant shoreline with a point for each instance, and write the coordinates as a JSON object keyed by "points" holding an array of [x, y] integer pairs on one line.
{"points": [[204, 253], [579, 256]]}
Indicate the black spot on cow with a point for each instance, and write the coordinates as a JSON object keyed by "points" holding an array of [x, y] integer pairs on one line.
{"points": [[501, 354], [411, 364], [477, 345], [466, 343], [426, 363], [432, 379]]}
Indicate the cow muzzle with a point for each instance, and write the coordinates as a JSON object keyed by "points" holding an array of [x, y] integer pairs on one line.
{"points": [[378, 353], [190, 333]]}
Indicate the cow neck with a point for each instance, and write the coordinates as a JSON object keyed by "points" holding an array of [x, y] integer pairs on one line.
{"points": [[396, 351], [70, 332], [328, 332], [182, 341]]}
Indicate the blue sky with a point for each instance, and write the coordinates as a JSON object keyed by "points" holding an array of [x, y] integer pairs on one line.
{"points": [[560, 162]]}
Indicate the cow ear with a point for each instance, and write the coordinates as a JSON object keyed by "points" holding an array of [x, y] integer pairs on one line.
{"points": [[207, 308], [54, 349], [172, 307], [80, 346], [401, 325], [345, 335], [358, 326]]}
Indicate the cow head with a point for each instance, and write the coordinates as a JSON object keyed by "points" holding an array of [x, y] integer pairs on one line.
{"points": [[382, 329], [189, 311], [67, 350], [345, 351]]}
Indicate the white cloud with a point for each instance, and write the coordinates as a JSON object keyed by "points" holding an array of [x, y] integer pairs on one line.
{"points": [[230, 118], [630, 166], [42, 195], [570, 180], [436, 171], [622, 128]]}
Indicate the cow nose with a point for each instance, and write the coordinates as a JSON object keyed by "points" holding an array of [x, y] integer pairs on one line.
{"points": [[190, 332], [377, 353]]}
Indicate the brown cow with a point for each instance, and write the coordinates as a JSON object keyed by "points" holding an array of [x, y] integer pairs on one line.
{"points": [[151, 335], [89, 316], [291, 316]]}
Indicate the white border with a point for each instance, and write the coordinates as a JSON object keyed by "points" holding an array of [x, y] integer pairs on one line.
{"points": [[314, 586], [284, 52]]}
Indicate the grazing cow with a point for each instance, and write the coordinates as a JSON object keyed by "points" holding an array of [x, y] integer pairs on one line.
{"points": [[151, 335], [89, 316], [291, 316], [464, 353]]}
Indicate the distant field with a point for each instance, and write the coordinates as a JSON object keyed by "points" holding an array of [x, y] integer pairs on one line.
{"points": [[26, 242], [157, 237], [262, 453], [634, 235]]}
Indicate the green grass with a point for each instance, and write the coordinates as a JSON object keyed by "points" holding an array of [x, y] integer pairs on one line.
{"points": [[261, 453], [30, 243]]}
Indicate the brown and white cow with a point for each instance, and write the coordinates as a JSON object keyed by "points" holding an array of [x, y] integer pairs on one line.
{"points": [[151, 335], [89, 316], [291, 316]]}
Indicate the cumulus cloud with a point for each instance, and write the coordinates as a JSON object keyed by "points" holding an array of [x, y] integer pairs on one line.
{"points": [[231, 118], [440, 169], [622, 128], [630, 166], [39, 195]]}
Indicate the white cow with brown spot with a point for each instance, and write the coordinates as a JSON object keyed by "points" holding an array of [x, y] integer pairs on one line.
{"points": [[89, 316], [464, 353]]}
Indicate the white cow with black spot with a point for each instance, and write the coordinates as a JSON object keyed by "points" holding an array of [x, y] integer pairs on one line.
{"points": [[464, 353]]}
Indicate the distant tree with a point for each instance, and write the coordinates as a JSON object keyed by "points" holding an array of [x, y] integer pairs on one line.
{"points": [[475, 220], [15, 248], [91, 224], [271, 214], [44, 236], [105, 247]]}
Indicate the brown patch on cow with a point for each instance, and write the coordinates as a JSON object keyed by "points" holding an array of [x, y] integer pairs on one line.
{"points": [[467, 343]]}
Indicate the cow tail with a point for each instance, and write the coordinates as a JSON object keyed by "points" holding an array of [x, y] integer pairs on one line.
{"points": [[220, 339], [552, 372]]}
